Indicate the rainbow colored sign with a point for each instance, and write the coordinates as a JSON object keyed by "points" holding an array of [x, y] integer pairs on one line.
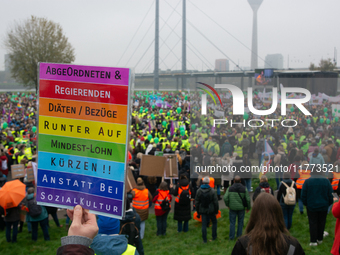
{"points": [[83, 132]]}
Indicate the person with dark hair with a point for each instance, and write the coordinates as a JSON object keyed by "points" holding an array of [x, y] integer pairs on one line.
{"points": [[235, 199], [266, 233], [294, 167], [287, 210], [263, 187], [131, 217], [182, 192], [316, 195], [161, 212], [207, 207]]}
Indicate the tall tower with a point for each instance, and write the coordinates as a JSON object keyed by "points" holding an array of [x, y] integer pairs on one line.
{"points": [[255, 5]]}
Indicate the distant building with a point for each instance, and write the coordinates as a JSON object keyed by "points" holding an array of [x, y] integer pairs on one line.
{"points": [[222, 65], [274, 61]]}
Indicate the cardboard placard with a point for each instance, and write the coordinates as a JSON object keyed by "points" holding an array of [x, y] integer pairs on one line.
{"points": [[130, 180], [18, 171], [30, 174], [171, 166], [152, 165]]}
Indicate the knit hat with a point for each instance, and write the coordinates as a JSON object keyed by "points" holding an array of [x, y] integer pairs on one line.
{"points": [[140, 181], [206, 180]]}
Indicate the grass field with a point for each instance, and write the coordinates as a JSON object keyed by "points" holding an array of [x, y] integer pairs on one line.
{"points": [[173, 242]]}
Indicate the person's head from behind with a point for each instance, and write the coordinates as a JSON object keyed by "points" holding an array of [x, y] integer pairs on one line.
{"points": [[237, 179], [30, 190], [286, 175], [263, 178], [206, 180], [163, 186], [266, 226], [183, 177]]}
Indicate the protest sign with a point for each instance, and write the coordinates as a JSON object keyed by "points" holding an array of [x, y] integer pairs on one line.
{"points": [[30, 174], [18, 171], [171, 166], [152, 165], [83, 132], [130, 180]]}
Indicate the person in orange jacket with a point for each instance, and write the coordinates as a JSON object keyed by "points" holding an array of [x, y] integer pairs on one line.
{"points": [[141, 198], [161, 210]]}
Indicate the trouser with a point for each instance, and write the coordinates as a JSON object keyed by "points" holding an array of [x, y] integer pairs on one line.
{"points": [[317, 223], [300, 205], [232, 219], [248, 183], [288, 211], [205, 220], [43, 225], [15, 231], [218, 189], [162, 224], [142, 229], [278, 178], [259, 157], [181, 226], [55, 218]]}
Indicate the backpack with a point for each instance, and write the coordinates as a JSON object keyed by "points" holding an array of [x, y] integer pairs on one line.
{"points": [[333, 156], [290, 197], [184, 198], [130, 230], [165, 205], [284, 160], [205, 199], [34, 210], [267, 190]]}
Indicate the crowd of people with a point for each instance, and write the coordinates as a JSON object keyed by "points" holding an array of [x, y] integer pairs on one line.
{"points": [[172, 122]]}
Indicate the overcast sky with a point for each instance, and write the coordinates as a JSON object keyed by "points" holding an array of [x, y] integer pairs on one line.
{"points": [[101, 30]]}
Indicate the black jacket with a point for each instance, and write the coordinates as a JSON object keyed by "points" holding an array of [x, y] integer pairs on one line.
{"points": [[182, 212], [132, 216], [258, 190], [213, 205]]}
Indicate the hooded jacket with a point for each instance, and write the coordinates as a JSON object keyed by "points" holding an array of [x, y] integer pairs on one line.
{"points": [[43, 214], [317, 159], [110, 245], [213, 205]]}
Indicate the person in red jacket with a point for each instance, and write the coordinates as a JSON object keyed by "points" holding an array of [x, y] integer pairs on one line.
{"points": [[161, 194], [336, 214]]}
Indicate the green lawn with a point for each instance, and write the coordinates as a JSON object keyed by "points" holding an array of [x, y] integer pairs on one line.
{"points": [[173, 242]]}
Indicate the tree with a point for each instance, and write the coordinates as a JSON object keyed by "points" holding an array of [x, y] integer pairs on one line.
{"points": [[32, 41], [325, 65]]}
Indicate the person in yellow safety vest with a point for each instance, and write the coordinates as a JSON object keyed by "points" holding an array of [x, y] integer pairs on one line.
{"points": [[164, 144], [284, 145], [21, 154], [238, 150], [304, 175], [174, 144], [214, 147]]}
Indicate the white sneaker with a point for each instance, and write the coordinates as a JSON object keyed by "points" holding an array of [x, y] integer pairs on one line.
{"points": [[319, 242], [325, 234], [313, 244]]}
